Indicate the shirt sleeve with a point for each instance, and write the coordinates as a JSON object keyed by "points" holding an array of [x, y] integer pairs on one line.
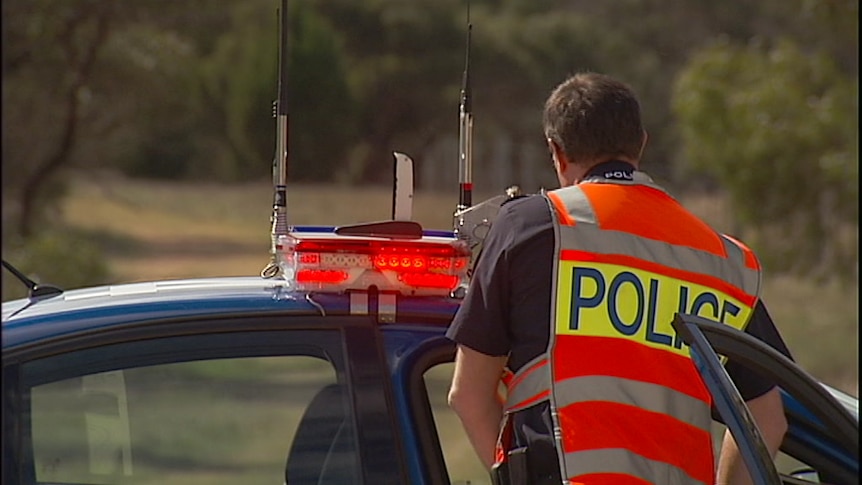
{"points": [[482, 321], [749, 383]]}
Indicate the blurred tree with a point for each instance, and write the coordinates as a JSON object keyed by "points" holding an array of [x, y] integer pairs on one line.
{"points": [[75, 77], [778, 127], [404, 65], [159, 88], [161, 138], [55, 257], [222, 126], [323, 106], [79, 78], [62, 42]]}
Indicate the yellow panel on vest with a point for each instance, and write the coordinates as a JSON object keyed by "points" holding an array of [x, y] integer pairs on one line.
{"points": [[608, 300]]}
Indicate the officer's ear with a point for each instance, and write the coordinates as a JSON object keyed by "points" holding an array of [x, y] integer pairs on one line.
{"points": [[643, 144], [557, 156]]}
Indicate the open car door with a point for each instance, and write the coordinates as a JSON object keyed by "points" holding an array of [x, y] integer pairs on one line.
{"points": [[814, 413]]}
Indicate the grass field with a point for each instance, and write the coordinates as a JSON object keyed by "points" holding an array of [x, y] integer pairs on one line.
{"points": [[161, 230]]}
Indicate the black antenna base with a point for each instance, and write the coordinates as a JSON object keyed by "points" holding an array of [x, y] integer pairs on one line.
{"points": [[36, 290]]}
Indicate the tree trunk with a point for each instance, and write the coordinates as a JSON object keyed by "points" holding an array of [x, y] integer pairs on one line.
{"points": [[34, 184]]}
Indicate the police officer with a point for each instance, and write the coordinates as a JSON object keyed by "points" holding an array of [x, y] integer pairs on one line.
{"points": [[571, 301]]}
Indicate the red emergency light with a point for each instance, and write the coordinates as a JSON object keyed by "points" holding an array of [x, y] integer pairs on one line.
{"points": [[328, 262]]}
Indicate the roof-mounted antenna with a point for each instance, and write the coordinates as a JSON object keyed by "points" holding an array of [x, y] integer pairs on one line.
{"points": [[465, 134], [36, 290], [279, 164]]}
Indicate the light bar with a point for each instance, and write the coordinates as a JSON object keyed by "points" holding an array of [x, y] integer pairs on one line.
{"points": [[324, 262]]}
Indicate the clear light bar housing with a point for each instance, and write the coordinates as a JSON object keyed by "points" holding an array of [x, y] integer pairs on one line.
{"points": [[324, 262]]}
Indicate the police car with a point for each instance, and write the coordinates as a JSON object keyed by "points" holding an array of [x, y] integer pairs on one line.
{"points": [[331, 367]]}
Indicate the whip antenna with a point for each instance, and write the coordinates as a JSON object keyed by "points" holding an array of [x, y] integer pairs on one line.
{"points": [[279, 163], [465, 133]]}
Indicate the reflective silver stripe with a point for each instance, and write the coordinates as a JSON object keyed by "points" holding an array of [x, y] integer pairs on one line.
{"points": [[644, 395], [579, 207], [529, 381], [589, 238], [736, 253], [620, 460], [526, 368], [552, 342]]}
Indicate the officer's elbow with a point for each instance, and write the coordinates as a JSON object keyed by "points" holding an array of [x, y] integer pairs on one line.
{"points": [[463, 400], [474, 383], [456, 399]]}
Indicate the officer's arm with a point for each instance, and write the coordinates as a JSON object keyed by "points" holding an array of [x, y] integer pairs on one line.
{"points": [[768, 412], [473, 396]]}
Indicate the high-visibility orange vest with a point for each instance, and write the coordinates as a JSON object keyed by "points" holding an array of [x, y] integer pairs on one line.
{"points": [[627, 404]]}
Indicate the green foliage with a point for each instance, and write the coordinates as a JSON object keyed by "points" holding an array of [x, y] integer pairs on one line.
{"points": [[404, 66], [59, 257], [163, 154], [44, 95], [232, 93], [162, 141], [323, 107], [777, 127], [237, 84]]}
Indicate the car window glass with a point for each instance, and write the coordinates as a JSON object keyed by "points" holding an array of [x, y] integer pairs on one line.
{"points": [[218, 421], [462, 463]]}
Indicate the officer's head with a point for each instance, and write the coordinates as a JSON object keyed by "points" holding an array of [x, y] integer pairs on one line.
{"points": [[592, 118]]}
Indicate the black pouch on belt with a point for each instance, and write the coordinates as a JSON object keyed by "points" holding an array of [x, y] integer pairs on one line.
{"points": [[518, 469], [500, 474], [514, 471]]}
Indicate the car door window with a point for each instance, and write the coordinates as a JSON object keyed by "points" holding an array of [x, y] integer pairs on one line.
{"points": [[210, 418]]}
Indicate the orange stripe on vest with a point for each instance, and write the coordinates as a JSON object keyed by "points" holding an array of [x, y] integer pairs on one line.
{"points": [[596, 425], [590, 356], [657, 216], [750, 259]]}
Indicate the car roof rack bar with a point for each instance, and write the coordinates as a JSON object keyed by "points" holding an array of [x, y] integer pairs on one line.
{"points": [[728, 402]]}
